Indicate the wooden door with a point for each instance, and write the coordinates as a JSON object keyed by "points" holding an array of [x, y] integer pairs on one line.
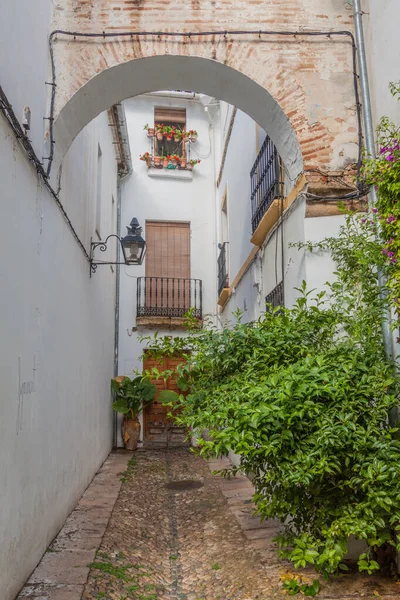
{"points": [[159, 430], [168, 267]]}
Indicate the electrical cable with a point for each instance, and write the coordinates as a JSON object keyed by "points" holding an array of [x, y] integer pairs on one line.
{"points": [[7, 111]]}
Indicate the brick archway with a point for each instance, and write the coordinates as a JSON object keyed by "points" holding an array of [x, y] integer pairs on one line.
{"points": [[202, 75], [299, 89]]}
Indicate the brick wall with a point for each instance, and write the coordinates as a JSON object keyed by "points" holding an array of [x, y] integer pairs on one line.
{"points": [[310, 78]]}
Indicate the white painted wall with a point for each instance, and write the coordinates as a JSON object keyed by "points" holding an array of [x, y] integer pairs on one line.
{"points": [[24, 31], [56, 350], [167, 199], [381, 19]]}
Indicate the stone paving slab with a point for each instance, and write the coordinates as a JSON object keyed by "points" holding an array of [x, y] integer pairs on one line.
{"points": [[49, 592], [165, 544], [63, 570]]}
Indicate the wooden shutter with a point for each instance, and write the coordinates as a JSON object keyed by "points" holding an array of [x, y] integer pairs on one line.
{"points": [[170, 115], [168, 249]]}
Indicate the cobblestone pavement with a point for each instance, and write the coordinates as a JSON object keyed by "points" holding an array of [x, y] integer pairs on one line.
{"points": [[198, 542]]}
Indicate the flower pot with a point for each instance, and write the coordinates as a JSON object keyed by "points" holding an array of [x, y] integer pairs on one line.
{"points": [[130, 433], [182, 163], [148, 163], [157, 161], [165, 162], [150, 132], [177, 138], [159, 135], [193, 138], [189, 167]]}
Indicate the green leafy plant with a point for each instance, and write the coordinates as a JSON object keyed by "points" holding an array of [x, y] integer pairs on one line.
{"points": [[303, 396], [132, 394], [384, 173]]}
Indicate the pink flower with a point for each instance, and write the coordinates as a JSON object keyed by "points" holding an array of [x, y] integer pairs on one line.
{"points": [[390, 219]]}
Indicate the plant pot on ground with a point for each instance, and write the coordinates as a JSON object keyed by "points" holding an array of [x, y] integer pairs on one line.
{"points": [[165, 161], [131, 396]]}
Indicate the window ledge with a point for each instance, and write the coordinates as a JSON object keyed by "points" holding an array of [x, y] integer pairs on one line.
{"points": [[170, 174]]}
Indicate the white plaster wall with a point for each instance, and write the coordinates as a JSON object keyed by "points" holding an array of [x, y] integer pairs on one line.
{"points": [[172, 200], [56, 352], [242, 152], [24, 31], [381, 19]]}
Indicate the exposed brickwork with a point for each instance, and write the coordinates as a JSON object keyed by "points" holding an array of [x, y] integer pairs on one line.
{"points": [[311, 79]]}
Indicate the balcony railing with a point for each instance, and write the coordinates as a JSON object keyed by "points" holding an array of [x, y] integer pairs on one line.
{"points": [[266, 181], [169, 297], [276, 297], [223, 279]]}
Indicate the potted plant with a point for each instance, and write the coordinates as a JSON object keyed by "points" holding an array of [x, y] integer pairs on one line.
{"points": [[182, 162], [165, 161], [193, 135], [177, 134], [168, 132], [150, 130], [159, 131], [147, 158], [157, 162], [191, 163], [131, 395]]}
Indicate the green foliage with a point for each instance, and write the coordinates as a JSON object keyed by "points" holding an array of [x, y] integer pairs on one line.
{"points": [[384, 173], [294, 586], [132, 394], [303, 396]]}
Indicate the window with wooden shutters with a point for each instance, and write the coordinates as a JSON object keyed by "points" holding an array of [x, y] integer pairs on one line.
{"points": [[171, 117]]}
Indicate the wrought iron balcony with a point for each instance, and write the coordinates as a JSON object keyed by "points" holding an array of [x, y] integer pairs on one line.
{"points": [[169, 297], [223, 279], [276, 297], [266, 181]]}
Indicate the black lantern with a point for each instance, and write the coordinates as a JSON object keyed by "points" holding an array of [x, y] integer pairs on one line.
{"points": [[133, 245], [133, 248]]}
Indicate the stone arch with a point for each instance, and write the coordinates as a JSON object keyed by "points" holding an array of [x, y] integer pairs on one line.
{"points": [[203, 75]]}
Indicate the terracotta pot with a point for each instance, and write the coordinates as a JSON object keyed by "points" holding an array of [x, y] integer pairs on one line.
{"points": [[150, 132], [177, 138], [189, 167], [165, 162], [130, 433], [159, 135], [157, 161], [148, 162], [182, 163]]}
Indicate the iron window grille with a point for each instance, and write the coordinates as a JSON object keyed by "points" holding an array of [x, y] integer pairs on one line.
{"points": [[266, 181], [223, 278], [276, 297], [169, 297]]}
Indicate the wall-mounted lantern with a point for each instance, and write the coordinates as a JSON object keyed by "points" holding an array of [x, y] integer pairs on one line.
{"points": [[133, 247]]}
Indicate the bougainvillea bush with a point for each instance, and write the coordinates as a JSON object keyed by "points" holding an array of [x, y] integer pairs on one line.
{"points": [[303, 395], [384, 173]]}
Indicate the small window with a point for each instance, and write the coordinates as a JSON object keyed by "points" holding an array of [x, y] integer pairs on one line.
{"points": [[176, 119]]}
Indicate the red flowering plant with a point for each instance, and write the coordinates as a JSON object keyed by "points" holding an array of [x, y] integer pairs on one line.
{"points": [[384, 173], [146, 156]]}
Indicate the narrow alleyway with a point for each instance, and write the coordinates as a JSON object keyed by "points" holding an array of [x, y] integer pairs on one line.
{"points": [[176, 533]]}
